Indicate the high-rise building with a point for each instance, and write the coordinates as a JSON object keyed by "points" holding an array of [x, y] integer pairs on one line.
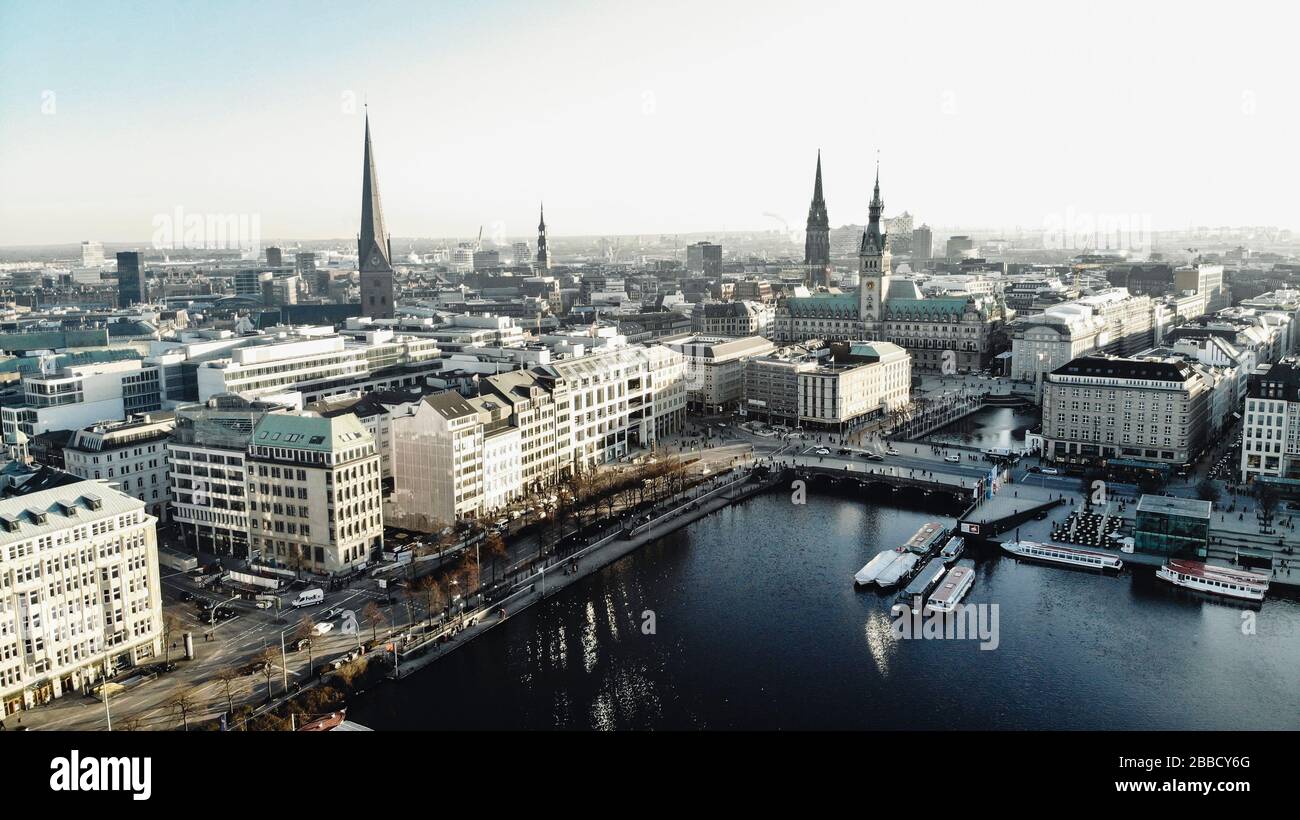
{"points": [[543, 251], [704, 258], [521, 253], [958, 248], [922, 247], [92, 254], [817, 239], [131, 286], [485, 260], [374, 246], [274, 257], [1271, 430]]}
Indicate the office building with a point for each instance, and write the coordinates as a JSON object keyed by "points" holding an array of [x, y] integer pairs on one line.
{"points": [[1271, 427], [131, 456], [704, 258], [131, 285], [315, 497], [79, 589]]}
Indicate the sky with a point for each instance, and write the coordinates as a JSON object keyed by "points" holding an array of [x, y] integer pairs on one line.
{"points": [[640, 118]]}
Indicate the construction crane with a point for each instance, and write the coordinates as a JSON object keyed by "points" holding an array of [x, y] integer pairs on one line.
{"points": [[478, 245]]}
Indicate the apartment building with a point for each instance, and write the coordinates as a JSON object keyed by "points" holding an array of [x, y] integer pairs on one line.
{"points": [[1271, 430], [314, 490], [533, 411], [715, 368], [79, 589], [738, 318], [131, 455], [437, 462], [207, 456], [828, 388], [1137, 413]]}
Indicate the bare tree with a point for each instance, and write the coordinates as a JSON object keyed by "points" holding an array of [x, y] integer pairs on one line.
{"points": [[266, 659], [306, 633], [171, 625], [227, 676], [431, 595], [374, 616], [184, 702]]}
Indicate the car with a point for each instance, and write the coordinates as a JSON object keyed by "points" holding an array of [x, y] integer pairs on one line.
{"points": [[186, 595], [1041, 516], [822, 451], [891, 451], [264, 604], [844, 451], [301, 644], [323, 627], [873, 457], [1050, 471], [952, 459], [1034, 469], [332, 613]]}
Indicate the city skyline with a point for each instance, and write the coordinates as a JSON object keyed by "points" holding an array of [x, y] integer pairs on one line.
{"points": [[512, 114]]}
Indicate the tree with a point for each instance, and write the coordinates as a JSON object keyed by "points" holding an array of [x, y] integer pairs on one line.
{"points": [[431, 595], [1266, 500], [227, 676], [171, 625], [496, 549], [306, 634], [184, 702], [374, 616], [266, 659]]}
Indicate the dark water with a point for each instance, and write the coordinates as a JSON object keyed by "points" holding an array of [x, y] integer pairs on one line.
{"points": [[758, 626], [990, 427]]}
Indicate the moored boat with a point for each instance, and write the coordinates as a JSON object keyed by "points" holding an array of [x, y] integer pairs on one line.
{"points": [[951, 590], [1057, 554], [877, 565], [896, 571], [924, 580], [925, 539], [1234, 583], [953, 549]]}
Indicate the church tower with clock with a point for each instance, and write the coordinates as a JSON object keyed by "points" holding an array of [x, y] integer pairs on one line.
{"points": [[873, 266]]}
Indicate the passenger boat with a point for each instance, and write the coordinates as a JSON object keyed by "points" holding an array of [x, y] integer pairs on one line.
{"points": [[1056, 554], [953, 549], [877, 565], [1234, 583], [895, 572], [951, 590], [926, 538], [925, 579]]}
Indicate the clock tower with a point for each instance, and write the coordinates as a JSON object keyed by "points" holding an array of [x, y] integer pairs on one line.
{"points": [[873, 265]]}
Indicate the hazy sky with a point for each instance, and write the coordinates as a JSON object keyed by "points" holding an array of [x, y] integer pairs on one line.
{"points": [[640, 117]]}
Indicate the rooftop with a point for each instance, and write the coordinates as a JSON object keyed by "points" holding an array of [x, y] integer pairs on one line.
{"points": [[1167, 505]]}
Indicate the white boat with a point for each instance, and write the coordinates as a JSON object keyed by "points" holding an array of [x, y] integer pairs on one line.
{"points": [[951, 590], [953, 549], [1234, 583], [1056, 554], [877, 565], [896, 571], [926, 538]]}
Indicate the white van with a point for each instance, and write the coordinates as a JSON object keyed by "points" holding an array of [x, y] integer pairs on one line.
{"points": [[309, 597]]}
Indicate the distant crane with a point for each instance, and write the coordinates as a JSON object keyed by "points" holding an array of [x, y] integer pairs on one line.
{"points": [[478, 245]]}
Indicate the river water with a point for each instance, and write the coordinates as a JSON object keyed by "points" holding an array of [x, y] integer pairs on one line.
{"points": [[990, 427], [757, 625]]}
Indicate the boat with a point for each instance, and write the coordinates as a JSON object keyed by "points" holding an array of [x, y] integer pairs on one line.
{"points": [[924, 580], [895, 572], [953, 549], [1234, 583], [877, 565], [951, 590], [1056, 554], [926, 538]]}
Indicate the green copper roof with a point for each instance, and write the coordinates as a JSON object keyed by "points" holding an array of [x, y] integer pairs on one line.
{"points": [[822, 305]]}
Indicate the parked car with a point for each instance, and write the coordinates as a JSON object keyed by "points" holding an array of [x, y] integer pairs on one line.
{"points": [[822, 451]]}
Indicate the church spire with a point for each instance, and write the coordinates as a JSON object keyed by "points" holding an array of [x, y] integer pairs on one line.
{"points": [[873, 241], [543, 253], [374, 246], [817, 236], [374, 253]]}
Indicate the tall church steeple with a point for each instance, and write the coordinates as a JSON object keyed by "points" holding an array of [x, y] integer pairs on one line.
{"points": [[873, 261], [543, 253], [817, 238], [374, 245]]}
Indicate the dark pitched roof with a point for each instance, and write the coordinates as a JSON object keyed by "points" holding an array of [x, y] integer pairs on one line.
{"points": [[1145, 369]]}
